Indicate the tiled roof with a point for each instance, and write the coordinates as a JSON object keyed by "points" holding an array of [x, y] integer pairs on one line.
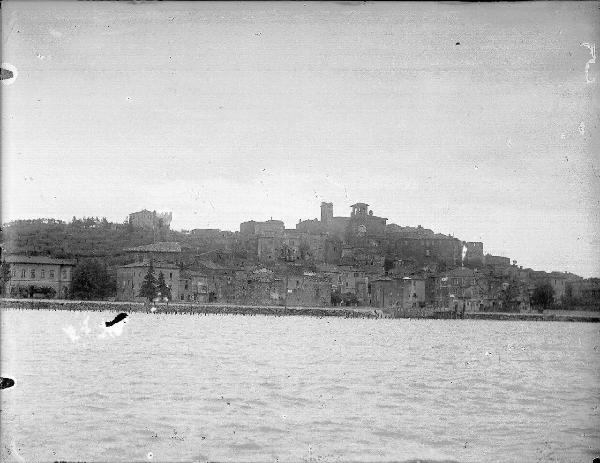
{"points": [[163, 246], [20, 259], [211, 265], [157, 266]]}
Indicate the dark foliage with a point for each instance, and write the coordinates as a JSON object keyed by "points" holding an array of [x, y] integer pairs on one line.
{"points": [[543, 295], [23, 291], [162, 287], [336, 297], [148, 288], [4, 275], [92, 281]]}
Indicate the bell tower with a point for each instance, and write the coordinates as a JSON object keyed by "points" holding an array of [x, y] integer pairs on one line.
{"points": [[326, 213]]}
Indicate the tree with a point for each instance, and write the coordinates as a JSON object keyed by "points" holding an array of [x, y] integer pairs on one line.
{"points": [[304, 250], [336, 297], [388, 264], [543, 295], [162, 287], [91, 280], [148, 288], [4, 275], [349, 299], [509, 294]]}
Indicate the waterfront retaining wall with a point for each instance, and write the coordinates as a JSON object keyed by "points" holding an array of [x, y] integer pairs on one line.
{"points": [[222, 309], [174, 308]]}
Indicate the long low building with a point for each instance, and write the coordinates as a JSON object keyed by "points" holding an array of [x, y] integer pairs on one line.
{"points": [[39, 276]]}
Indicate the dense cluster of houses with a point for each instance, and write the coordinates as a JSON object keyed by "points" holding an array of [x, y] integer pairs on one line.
{"points": [[359, 260]]}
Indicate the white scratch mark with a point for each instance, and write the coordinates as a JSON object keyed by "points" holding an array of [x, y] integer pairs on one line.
{"points": [[509, 142], [113, 331], [582, 128], [15, 451], [85, 328], [592, 60], [71, 333]]}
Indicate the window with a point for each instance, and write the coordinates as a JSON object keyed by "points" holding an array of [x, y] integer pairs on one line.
{"points": [[32, 274], [43, 273], [23, 273], [13, 273], [171, 275], [51, 274], [64, 273]]}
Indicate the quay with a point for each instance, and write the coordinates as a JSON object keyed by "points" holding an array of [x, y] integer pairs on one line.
{"points": [[178, 308], [232, 309]]}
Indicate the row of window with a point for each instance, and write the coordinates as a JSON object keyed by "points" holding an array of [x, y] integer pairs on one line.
{"points": [[33, 274]]}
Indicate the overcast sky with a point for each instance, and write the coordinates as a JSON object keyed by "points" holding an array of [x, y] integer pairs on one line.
{"points": [[472, 119]]}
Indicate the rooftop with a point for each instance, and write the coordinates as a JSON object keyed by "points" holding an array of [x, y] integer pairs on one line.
{"points": [[21, 259], [163, 246], [157, 266]]}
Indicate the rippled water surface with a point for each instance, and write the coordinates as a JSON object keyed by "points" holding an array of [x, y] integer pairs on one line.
{"points": [[234, 388]]}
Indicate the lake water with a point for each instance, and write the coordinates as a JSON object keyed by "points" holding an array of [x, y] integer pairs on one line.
{"points": [[235, 388]]}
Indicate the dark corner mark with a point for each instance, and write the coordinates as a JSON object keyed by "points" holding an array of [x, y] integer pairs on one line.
{"points": [[6, 383], [117, 319], [6, 74]]}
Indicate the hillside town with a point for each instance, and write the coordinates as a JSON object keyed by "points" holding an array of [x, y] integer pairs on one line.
{"points": [[353, 260]]}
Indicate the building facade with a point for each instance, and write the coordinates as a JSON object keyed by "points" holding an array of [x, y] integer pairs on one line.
{"points": [[130, 278], [38, 276], [151, 220]]}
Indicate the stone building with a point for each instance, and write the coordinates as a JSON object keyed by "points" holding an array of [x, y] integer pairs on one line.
{"points": [[268, 228], [362, 228], [586, 292], [424, 250], [308, 290], [39, 276], [404, 293], [460, 288], [556, 280], [166, 251], [473, 254], [496, 261], [131, 276], [151, 220], [193, 286]]}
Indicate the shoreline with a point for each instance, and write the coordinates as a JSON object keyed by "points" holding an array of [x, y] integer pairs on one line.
{"points": [[232, 309]]}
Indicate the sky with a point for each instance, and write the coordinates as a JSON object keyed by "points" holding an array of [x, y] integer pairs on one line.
{"points": [[477, 120]]}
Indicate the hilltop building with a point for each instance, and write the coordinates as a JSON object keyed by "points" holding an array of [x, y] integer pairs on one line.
{"points": [[362, 228], [150, 219]]}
